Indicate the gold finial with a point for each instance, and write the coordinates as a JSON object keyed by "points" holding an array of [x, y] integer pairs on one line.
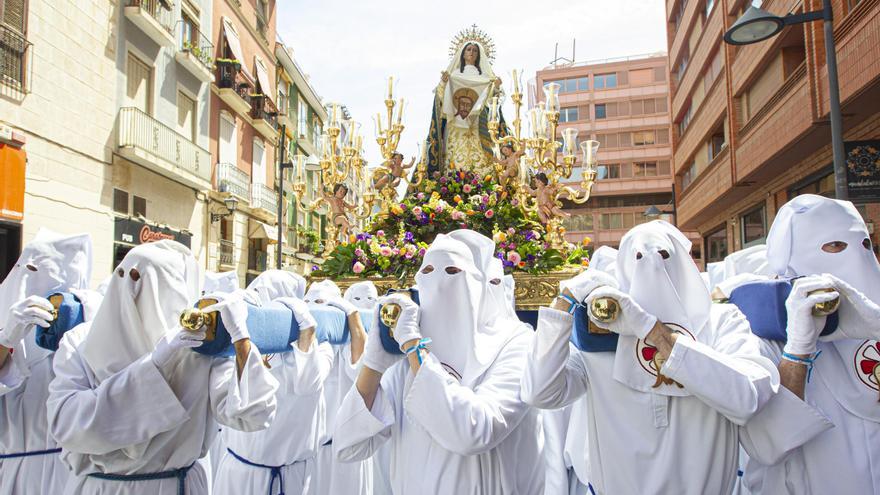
{"points": [[825, 308], [476, 35], [389, 314], [604, 309]]}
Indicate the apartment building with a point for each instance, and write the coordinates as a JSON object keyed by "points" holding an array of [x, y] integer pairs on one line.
{"points": [[750, 123], [243, 135], [624, 104]]}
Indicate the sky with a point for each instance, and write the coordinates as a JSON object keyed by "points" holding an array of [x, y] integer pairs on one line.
{"points": [[349, 48]]}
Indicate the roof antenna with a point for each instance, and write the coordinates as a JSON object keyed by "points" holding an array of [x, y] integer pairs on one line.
{"points": [[557, 59]]}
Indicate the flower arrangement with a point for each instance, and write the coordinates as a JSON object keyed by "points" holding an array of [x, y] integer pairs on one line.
{"points": [[445, 202]]}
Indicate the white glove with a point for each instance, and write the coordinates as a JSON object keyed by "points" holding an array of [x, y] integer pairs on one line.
{"points": [[859, 316], [173, 341], [233, 311], [631, 319], [340, 303], [375, 356], [803, 328], [586, 282], [23, 315], [407, 327], [300, 310]]}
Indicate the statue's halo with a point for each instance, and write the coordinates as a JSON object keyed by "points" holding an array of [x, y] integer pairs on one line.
{"points": [[470, 34]]}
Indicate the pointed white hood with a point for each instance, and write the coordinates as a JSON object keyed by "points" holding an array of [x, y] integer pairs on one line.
{"points": [[149, 290], [223, 282], [272, 284], [363, 295]]}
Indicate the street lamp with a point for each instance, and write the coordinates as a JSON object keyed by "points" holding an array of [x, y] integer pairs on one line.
{"points": [[653, 212], [758, 25], [230, 203]]}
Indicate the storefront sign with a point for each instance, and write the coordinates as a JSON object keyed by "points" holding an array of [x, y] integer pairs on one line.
{"points": [[863, 170], [135, 232], [12, 168]]}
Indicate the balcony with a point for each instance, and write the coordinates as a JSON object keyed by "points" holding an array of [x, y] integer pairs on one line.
{"points": [[194, 52], [284, 116], [231, 179], [265, 116], [150, 143], [227, 250], [263, 198], [235, 89], [154, 17]]}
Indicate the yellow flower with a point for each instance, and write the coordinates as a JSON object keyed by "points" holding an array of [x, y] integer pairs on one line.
{"points": [[499, 237], [352, 238], [587, 241], [457, 198], [396, 209]]}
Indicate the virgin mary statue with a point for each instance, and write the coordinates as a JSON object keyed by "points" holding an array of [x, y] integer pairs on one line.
{"points": [[459, 133]]}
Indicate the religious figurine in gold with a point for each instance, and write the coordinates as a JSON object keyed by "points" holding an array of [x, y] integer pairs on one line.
{"points": [[397, 171], [545, 196], [508, 165]]}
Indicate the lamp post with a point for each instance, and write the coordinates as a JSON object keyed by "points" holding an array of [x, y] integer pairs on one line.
{"points": [[282, 152], [231, 203], [758, 25], [653, 212]]}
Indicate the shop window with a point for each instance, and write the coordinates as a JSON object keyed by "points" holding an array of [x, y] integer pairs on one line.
{"points": [[753, 227], [120, 201], [716, 245]]}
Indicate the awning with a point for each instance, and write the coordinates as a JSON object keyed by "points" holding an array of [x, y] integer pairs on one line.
{"points": [[263, 77], [259, 230], [235, 45], [12, 168]]}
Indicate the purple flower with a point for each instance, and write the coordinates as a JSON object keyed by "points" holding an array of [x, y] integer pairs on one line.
{"points": [[475, 182], [530, 257], [443, 190], [514, 202], [358, 252], [530, 235], [421, 251], [408, 237], [420, 196], [314, 268], [443, 180]]}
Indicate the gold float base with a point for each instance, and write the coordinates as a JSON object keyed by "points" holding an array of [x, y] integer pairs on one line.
{"points": [[532, 291]]}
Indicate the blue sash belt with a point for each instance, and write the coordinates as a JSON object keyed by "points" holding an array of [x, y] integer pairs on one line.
{"points": [[274, 470], [29, 454], [180, 474]]}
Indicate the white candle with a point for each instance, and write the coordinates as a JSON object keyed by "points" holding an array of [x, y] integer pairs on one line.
{"points": [[390, 87]]}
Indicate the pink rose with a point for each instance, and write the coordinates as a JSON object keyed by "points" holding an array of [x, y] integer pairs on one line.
{"points": [[457, 215], [466, 188], [489, 213], [420, 196], [358, 267], [409, 254], [417, 210], [358, 252], [513, 257], [395, 251], [385, 251], [380, 233]]}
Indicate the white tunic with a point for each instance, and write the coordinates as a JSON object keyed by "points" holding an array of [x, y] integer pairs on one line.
{"points": [[447, 438], [335, 477], [137, 422], [844, 458], [291, 442], [651, 443]]}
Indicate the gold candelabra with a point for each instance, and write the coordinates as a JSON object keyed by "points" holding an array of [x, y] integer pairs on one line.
{"points": [[341, 155], [388, 131], [539, 153]]}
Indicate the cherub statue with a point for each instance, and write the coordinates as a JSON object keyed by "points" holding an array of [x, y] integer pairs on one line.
{"points": [[397, 171], [545, 196], [339, 208], [509, 164]]}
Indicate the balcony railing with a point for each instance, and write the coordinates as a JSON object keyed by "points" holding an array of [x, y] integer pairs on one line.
{"points": [[231, 179], [160, 10], [14, 49], [196, 44], [262, 108], [263, 197], [227, 248], [150, 142]]}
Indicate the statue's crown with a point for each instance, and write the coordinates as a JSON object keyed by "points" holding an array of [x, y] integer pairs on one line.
{"points": [[473, 34]]}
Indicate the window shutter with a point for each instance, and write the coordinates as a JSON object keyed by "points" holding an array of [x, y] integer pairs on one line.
{"points": [[612, 141], [584, 111], [622, 108], [624, 139], [662, 136], [664, 167], [13, 14], [660, 104], [625, 170], [648, 106], [622, 78], [659, 74], [611, 109], [635, 107]]}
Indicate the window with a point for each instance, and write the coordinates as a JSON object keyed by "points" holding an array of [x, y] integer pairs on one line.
{"points": [[611, 221], [643, 138], [228, 139], [713, 71], [581, 221], [302, 118], [316, 131], [709, 5], [607, 140], [139, 206], [568, 114], [262, 17], [600, 111], [605, 81], [823, 186], [682, 66], [186, 112], [120, 201], [716, 143], [189, 30], [258, 170], [640, 77], [685, 121], [689, 175], [608, 171], [282, 97], [571, 85], [645, 169], [138, 83], [13, 44], [753, 227], [716, 245]]}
